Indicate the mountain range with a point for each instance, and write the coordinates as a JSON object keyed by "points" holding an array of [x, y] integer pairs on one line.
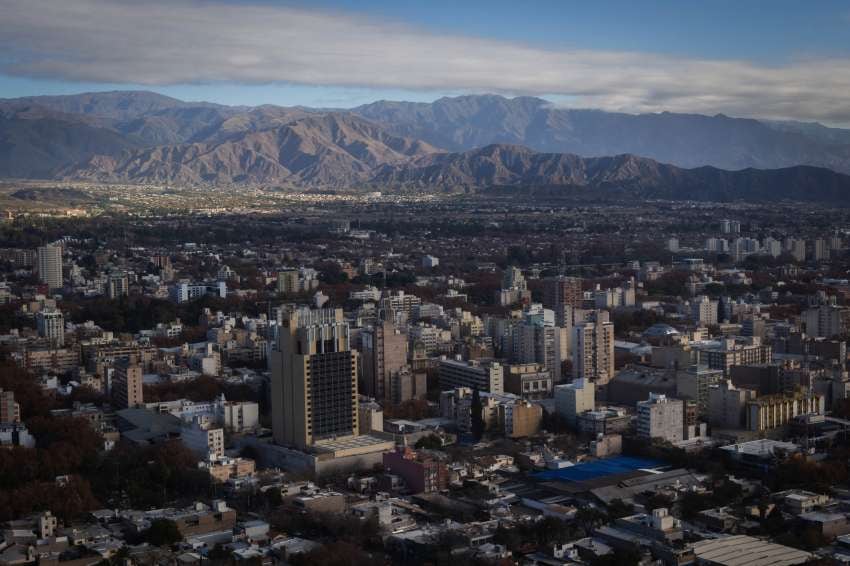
{"points": [[466, 142]]}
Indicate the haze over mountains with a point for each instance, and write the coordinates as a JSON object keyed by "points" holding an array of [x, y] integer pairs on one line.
{"points": [[463, 142]]}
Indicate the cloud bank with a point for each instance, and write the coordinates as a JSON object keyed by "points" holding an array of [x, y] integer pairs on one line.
{"points": [[165, 42]]}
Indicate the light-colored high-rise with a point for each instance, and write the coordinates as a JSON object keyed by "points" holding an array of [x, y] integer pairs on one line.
{"points": [[593, 351], [51, 325], [314, 379], [50, 266]]}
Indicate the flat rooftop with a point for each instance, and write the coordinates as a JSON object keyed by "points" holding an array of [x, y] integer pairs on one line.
{"points": [[599, 468], [744, 550]]}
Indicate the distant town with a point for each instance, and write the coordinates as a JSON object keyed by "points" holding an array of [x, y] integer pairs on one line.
{"points": [[428, 379]]}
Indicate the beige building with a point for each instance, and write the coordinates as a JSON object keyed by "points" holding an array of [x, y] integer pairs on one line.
{"points": [[384, 353], [127, 384], [314, 379], [224, 469], [593, 351], [10, 411], [773, 411], [520, 418], [50, 266], [288, 282]]}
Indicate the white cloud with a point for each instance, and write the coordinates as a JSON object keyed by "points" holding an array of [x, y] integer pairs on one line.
{"points": [[163, 42]]}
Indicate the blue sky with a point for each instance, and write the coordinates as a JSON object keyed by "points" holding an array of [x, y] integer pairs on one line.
{"points": [[777, 58]]}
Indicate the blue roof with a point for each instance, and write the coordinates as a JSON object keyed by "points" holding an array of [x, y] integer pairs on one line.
{"points": [[598, 469]]}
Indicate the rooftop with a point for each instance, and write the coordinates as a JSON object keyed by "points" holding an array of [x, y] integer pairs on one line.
{"points": [[744, 550]]}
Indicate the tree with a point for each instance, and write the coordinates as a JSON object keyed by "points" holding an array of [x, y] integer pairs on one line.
{"points": [[162, 532], [477, 424], [430, 442]]}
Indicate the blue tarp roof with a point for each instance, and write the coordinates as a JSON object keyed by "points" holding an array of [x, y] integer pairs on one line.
{"points": [[598, 468]]}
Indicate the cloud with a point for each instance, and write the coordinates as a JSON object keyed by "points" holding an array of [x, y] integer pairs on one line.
{"points": [[165, 42]]}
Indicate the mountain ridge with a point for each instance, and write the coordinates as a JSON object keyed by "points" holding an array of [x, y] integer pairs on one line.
{"points": [[467, 142]]}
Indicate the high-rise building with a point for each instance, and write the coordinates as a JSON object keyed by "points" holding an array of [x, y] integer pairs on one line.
{"points": [[314, 379], [573, 399], [51, 325], [384, 353], [820, 250], [593, 351], [50, 266], [772, 247], [288, 282], [540, 343], [704, 311], [10, 411], [826, 321], [661, 417], [117, 285], [127, 383], [560, 293]]}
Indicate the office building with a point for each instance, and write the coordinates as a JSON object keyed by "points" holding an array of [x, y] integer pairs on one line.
{"points": [[573, 399], [384, 352], [661, 417], [314, 379], [51, 325], [593, 351], [50, 266], [485, 376]]}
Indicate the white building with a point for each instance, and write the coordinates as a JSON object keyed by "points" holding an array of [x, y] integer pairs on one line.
{"points": [[50, 266], [51, 325], [573, 399], [661, 417]]}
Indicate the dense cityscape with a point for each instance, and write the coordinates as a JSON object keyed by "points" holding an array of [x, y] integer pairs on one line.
{"points": [[482, 283], [433, 380]]}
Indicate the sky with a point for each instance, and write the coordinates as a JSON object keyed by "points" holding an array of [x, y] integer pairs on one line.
{"points": [[762, 58]]}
